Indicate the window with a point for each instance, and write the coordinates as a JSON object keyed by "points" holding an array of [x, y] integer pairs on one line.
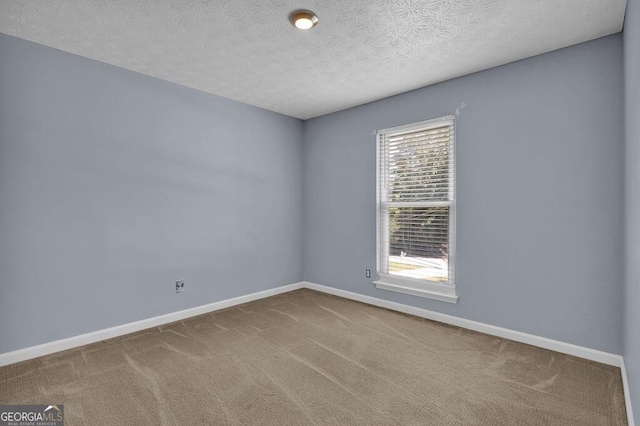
{"points": [[416, 209]]}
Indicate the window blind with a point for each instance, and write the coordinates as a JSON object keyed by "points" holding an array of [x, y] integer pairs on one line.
{"points": [[416, 201]]}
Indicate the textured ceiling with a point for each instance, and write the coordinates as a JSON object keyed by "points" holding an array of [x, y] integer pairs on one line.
{"points": [[361, 50]]}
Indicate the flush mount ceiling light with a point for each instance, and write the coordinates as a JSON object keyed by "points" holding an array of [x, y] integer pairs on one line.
{"points": [[303, 19]]}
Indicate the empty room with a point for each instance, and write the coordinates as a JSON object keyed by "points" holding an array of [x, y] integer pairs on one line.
{"points": [[356, 212]]}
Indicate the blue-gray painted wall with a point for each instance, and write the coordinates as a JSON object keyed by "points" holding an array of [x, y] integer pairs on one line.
{"points": [[631, 37], [113, 185], [539, 193]]}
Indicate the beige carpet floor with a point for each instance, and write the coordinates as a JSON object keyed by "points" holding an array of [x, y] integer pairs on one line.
{"points": [[309, 358]]}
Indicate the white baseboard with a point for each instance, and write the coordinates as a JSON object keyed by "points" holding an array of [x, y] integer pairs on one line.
{"points": [[627, 395], [108, 333], [530, 339]]}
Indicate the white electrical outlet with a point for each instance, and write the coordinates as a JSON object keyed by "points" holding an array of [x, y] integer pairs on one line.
{"points": [[179, 286]]}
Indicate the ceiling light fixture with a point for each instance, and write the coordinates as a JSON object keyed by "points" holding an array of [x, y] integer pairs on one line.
{"points": [[303, 19]]}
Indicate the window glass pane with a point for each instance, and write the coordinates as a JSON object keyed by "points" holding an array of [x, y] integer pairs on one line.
{"points": [[418, 242], [418, 169], [416, 200]]}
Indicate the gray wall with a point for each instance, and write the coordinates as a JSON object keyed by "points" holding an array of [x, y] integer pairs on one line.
{"points": [[114, 184], [540, 193], [631, 37]]}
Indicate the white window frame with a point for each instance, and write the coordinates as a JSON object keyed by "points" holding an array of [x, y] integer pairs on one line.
{"points": [[442, 291]]}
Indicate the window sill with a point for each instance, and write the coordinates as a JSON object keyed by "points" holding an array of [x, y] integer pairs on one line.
{"points": [[435, 291]]}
